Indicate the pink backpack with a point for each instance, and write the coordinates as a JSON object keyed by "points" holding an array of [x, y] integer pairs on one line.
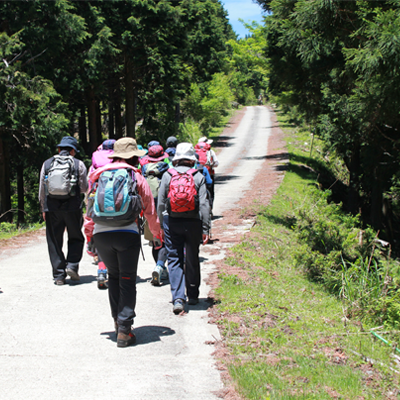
{"points": [[182, 195]]}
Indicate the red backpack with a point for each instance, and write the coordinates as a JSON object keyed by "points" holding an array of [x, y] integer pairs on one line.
{"points": [[203, 150], [182, 195]]}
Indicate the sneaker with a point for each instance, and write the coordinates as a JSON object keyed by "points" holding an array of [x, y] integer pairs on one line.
{"points": [[156, 275], [125, 339], [73, 274], [102, 281], [193, 302], [59, 282], [179, 306]]}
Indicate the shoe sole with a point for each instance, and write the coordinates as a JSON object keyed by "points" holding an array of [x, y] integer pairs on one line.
{"points": [[126, 343], [73, 275], [178, 309], [101, 285], [156, 278]]}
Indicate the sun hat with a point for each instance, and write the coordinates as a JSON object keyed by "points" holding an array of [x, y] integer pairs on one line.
{"points": [[69, 141], [126, 148], [205, 139], [156, 151], [184, 151], [172, 141], [108, 144]]}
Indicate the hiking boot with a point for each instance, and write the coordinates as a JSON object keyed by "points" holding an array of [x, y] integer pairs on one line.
{"points": [[156, 275], [193, 302], [125, 339], [59, 282], [179, 306], [73, 274], [102, 281]]}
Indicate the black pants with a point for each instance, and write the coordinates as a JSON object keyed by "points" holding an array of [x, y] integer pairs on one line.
{"points": [[56, 223], [120, 253]]}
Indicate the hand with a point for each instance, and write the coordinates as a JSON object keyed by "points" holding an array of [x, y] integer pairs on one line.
{"points": [[44, 216], [205, 238]]}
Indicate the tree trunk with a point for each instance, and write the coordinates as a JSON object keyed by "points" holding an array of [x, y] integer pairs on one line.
{"points": [[118, 116], [82, 129], [92, 120], [98, 123], [111, 133], [21, 194], [5, 188], [129, 99]]}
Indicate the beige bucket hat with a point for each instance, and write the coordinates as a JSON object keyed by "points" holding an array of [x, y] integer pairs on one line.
{"points": [[126, 148], [185, 151]]}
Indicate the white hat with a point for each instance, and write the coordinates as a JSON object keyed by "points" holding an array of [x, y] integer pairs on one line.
{"points": [[184, 151], [204, 139]]}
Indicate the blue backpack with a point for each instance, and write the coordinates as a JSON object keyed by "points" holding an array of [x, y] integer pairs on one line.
{"points": [[116, 201]]}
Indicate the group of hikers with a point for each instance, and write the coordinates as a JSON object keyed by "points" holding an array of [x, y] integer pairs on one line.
{"points": [[166, 195]]}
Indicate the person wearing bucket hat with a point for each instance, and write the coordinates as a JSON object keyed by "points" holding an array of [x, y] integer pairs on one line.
{"points": [[185, 223], [63, 179], [119, 245]]}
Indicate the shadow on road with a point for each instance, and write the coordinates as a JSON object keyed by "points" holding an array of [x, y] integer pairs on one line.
{"points": [[145, 334], [203, 305], [224, 179], [85, 279], [222, 141], [280, 156]]}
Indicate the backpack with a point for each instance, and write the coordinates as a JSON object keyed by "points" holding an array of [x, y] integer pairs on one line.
{"points": [[116, 201], [61, 177], [182, 195], [203, 150], [153, 172]]}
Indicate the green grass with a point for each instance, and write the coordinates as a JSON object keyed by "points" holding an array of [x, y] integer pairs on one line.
{"points": [[290, 338], [8, 230]]}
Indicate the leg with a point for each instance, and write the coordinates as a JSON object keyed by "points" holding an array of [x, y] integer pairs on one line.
{"points": [[174, 243], [55, 227], [76, 240], [193, 230]]}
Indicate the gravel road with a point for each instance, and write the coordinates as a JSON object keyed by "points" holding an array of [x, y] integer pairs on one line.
{"points": [[57, 342]]}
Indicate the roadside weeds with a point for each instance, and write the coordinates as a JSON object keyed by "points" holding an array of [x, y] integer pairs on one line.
{"points": [[284, 337]]}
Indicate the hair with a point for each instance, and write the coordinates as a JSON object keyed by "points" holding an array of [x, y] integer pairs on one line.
{"points": [[66, 148], [185, 162], [134, 161]]}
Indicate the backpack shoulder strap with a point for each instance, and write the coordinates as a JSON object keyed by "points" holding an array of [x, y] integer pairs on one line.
{"points": [[47, 165], [173, 171], [192, 171]]}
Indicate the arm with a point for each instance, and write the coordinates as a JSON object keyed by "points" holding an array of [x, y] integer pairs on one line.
{"points": [[83, 183], [42, 193], [215, 159], [163, 195], [204, 205], [148, 202]]}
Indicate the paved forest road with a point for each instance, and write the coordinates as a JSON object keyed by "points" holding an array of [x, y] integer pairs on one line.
{"points": [[58, 342]]}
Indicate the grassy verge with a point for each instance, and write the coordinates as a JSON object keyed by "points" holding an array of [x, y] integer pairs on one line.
{"points": [[8, 230], [289, 337]]}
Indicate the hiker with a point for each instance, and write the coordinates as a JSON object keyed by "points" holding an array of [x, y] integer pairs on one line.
{"points": [[62, 181], [153, 168], [203, 169], [119, 195], [208, 158], [99, 159], [171, 143], [184, 210], [158, 152]]}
